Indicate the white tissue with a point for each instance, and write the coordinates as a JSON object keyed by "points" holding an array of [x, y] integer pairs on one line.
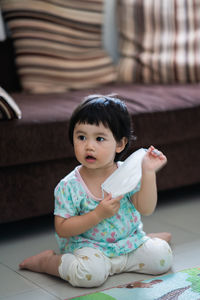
{"points": [[127, 176]]}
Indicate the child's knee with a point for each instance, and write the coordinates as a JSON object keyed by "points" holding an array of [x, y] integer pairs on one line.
{"points": [[159, 255], [84, 270]]}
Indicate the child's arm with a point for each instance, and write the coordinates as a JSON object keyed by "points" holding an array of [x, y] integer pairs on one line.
{"points": [[146, 199], [78, 224]]}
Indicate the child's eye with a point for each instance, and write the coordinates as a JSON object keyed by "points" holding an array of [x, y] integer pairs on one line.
{"points": [[100, 139], [81, 137]]}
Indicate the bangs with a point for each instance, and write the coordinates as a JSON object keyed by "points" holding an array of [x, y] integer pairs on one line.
{"points": [[94, 116]]}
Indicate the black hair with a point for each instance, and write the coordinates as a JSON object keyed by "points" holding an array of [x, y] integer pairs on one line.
{"points": [[108, 110]]}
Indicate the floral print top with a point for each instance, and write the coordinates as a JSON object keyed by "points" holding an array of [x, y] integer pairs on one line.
{"points": [[114, 236]]}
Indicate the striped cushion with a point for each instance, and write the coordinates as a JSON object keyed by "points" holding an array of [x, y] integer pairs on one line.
{"points": [[58, 44], [159, 41]]}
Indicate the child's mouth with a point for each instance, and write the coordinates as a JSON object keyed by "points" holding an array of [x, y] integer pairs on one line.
{"points": [[90, 158]]}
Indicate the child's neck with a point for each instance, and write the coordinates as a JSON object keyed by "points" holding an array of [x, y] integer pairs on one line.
{"points": [[99, 172], [93, 178]]}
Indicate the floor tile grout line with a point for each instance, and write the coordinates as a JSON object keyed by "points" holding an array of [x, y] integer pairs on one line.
{"points": [[31, 281], [25, 292]]}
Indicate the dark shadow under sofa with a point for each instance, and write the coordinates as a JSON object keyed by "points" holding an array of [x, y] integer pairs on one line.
{"points": [[35, 152]]}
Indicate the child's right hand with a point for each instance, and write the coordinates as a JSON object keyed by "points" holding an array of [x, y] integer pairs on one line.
{"points": [[108, 207]]}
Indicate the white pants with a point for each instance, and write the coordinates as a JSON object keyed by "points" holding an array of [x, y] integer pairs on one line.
{"points": [[89, 267]]}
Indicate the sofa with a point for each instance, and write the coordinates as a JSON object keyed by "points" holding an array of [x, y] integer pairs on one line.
{"points": [[35, 152]]}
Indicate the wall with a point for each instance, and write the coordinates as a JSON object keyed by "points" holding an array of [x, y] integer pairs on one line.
{"points": [[110, 29], [2, 31]]}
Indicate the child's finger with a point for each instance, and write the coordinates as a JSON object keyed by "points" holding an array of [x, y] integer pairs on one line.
{"points": [[117, 199], [108, 196], [164, 158], [150, 149]]}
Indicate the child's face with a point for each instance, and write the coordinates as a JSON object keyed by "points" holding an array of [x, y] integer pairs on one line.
{"points": [[95, 146]]}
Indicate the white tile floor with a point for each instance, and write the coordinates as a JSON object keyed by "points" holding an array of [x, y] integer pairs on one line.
{"points": [[178, 211]]}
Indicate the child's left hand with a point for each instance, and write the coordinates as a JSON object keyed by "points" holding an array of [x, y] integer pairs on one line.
{"points": [[153, 160]]}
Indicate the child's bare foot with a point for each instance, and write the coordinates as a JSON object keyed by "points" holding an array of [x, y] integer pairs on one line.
{"points": [[35, 263], [161, 235]]}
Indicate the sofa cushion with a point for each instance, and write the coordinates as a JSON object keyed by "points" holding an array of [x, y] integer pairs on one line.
{"points": [[58, 44], [159, 41], [161, 115]]}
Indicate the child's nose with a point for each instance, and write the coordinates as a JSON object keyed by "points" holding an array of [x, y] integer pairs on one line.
{"points": [[90, 144]]}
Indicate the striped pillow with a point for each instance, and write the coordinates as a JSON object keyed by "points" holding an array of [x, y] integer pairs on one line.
{"points": [[8, 107], [58, 44], [159, 41]]}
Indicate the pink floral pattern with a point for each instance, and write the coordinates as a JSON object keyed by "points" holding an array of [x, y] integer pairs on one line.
{"points": [[114, 236]]}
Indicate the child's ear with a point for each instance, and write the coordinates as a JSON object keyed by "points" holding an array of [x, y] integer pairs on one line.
{"points": [[121, 145]]}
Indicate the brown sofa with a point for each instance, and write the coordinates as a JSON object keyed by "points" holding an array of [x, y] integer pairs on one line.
{"points": [[35, 152]]}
